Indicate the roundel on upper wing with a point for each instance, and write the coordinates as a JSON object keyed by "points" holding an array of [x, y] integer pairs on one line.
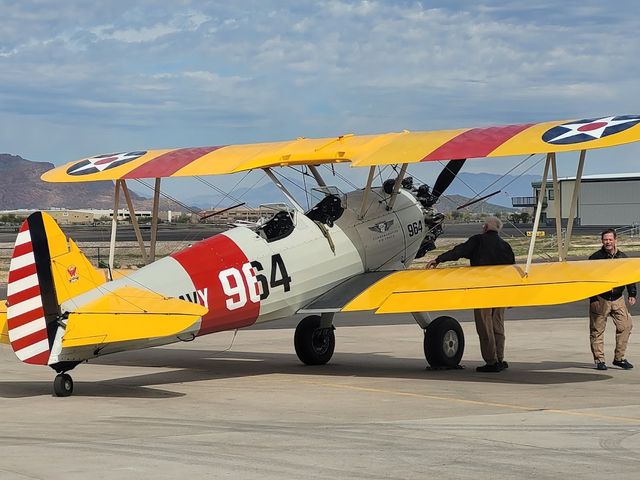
{"points": [[100, 163], [589, 129]]}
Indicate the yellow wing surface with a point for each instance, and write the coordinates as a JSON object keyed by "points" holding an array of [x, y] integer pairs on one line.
{"points": [[494, 286], [129, 314], [359, 150], [4, 332]]}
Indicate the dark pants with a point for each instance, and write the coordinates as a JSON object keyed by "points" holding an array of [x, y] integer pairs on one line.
{"points": [[490, 328]]}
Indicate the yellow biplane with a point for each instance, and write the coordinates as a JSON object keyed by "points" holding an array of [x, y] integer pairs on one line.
{"points": [[349, 252]]}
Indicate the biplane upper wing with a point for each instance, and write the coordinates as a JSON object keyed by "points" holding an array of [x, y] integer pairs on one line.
{"points": [[359, 150], [460, 288]]}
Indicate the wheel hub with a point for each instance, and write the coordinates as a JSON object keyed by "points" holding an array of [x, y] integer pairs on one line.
{"points": [[320, 341], [450, 343]]}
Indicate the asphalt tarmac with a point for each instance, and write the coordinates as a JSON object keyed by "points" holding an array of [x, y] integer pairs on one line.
{"points": [[244, 407], [240, 405]]}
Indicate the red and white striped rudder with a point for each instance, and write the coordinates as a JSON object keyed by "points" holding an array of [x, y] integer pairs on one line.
{"points": [[32, 307]]}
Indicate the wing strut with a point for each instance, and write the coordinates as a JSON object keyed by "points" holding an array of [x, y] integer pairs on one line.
{"points": [[367, 191], [134, 221], [316, 174], [574, 203], [396, 186], [536, 222], [154, 221], [556, 196], [283, 189], [114, 227]]}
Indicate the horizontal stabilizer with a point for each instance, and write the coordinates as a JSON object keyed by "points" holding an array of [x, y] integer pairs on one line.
{"points": [[494, 286], [129, 314]]}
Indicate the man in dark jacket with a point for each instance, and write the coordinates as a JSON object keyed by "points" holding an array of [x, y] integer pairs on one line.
{"points": [[486, 248], [611, 303]]}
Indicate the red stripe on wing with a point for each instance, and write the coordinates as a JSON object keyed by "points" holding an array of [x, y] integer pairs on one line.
{"points": [[475, 143], [169, 163]]}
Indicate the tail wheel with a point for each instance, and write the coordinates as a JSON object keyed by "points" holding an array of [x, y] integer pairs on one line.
{"points": [[63, 385], [314, 345], [444, 343]]}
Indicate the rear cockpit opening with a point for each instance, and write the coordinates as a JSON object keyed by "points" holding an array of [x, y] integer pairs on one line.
{"points": [[277, 221]]}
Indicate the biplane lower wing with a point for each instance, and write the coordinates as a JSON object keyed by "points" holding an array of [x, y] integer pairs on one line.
{"points": [[461, 288]]}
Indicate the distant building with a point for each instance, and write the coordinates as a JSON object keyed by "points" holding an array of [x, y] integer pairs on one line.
{"points": [[604, 200], [71, 217], [223, 216], [141, 215], [60, 215], [88, 216]]}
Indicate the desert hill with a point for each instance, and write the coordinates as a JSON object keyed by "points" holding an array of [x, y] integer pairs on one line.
{"points": [[21, 187]]}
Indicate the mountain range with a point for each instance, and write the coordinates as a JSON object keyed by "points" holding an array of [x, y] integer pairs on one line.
{"points": [[465, 187], [21, 187]]}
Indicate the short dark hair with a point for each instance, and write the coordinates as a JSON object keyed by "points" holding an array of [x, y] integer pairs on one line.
{"points": [[608, 230]]}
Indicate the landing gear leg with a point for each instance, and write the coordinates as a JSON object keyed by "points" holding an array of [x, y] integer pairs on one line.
{"points": [[63, 385], [443, 343], [314, 339]]}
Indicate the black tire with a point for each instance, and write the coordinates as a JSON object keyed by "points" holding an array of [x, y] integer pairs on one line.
{"points": [[63, 385], [444, 343], [314, 345]]}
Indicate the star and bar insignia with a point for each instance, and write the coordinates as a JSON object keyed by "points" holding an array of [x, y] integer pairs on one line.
{"points": [[589, 129], [100, 163]]}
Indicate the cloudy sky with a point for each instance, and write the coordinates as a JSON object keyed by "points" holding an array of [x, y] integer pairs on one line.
{"points": [[80, 78]]}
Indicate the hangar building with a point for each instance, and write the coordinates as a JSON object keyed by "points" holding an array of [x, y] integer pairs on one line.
{"points": [[604, 200]]}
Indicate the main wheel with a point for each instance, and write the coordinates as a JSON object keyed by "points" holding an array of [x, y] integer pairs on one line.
{"points": [[63, 385], [314, 345], [444, 342]]}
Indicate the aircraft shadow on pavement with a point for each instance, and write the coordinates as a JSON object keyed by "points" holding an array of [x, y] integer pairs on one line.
{"points": [[205, 365]]}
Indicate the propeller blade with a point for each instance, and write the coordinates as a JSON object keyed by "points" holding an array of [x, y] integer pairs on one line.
{"points": [[447, 176]]}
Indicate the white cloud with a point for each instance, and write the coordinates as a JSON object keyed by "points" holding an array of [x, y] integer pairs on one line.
{"points": [[163, 74]]}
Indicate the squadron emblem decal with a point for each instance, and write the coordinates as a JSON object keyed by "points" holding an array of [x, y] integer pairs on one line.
{"points": [[72, 270], [589, 129], [100, 163], [382, 226]]}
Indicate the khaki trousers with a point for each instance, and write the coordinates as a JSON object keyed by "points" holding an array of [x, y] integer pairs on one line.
{"points": [[490, 328], [598, 313]]}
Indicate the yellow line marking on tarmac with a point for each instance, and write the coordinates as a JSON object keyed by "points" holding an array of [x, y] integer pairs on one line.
{"points": [[474, 402]]}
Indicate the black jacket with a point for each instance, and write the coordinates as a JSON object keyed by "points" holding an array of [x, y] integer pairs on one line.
{"points": [[482, 249], [614, 293]]}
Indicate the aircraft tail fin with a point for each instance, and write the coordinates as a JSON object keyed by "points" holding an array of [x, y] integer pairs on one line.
{"points": [[45, 271]]}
